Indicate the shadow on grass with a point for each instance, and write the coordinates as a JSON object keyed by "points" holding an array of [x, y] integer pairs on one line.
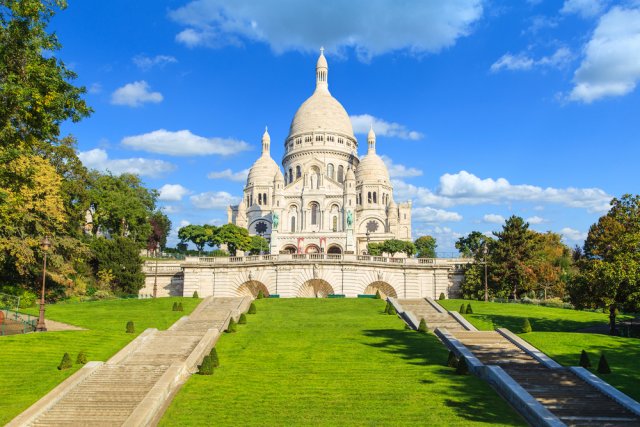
{"points": [[469, 394], [514, 323]]}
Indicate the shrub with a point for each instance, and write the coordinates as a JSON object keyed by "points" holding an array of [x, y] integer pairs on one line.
{"points": [[252, 309], [207, 367], [81, 359], [469, 309], [423, 326], [452, 361], [584, 360], [406, 326], [386, 308], [65, 363], [243, 319], [526, 326], [180, 308], [260, 294], [441, 296], [130, 327], [232, 326], [213, 354], [603, 365], [461, 367], [195, 294], [175, 306], [377, 295], [462, 309], [392, 310]]}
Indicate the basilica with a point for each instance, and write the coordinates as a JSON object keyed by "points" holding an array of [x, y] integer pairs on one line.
{"points": [[328, 200]]}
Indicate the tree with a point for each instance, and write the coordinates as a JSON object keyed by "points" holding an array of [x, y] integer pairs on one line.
{"points": [[199, 235], [394, 246], [426, 247], [160, 228], [511, 255], [258, 245], [122, 256], [471, 246], [374, 249], [236, 238]]}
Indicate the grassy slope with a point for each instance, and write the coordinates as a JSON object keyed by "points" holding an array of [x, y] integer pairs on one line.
{"points": [[333, 362], [554, 333], [28, 362]]}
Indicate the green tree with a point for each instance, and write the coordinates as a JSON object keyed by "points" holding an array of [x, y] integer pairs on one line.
{"points": [[199, 235], [393, 246], [374, 249], [511, 256], [426, 247], [236, 238], [258, 245], [122, 256], [471, 245]]}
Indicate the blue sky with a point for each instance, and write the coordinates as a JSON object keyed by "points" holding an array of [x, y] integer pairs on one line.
{"points": [[483, 109]]}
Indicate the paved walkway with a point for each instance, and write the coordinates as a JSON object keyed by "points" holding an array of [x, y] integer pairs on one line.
{"points": [[135, 384]]}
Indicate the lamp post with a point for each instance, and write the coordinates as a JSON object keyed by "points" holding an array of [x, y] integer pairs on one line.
{"points": [[45, 245], [155, 275], [368, 234], [485, 251]]}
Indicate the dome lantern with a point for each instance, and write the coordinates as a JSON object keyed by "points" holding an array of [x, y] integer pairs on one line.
{"points": [[266, 142], [322, 72], [371, 140]]}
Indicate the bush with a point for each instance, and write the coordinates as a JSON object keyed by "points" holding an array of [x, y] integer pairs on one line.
{"points": [[260, 294], [243, 319], [462, 309], [81, 359], [469, 309], [584, 360], [207, 367], [130, 327], [175, 306], [452, 361], [232, 326], [603, 365], [526, 326], [213, 354], [441, 296], [386, 308], [423, 326], [180, 308], [377, 295], [65, 363], [195, 294], [392, 310], [252, 309], [461, 367]]}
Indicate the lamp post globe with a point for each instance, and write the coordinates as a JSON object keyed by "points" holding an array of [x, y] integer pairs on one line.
{"points": [[44, 245]]}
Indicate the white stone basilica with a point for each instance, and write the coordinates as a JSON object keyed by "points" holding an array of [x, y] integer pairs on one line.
{"points": [[328, 200]]}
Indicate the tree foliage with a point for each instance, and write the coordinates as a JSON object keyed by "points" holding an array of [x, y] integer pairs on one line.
{"points": [[160, 228], [121, 256], [236, 238], [426, 247], [471, 246]]}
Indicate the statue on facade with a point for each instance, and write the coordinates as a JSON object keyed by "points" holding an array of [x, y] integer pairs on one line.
{"points": [[275, 221], [349, 219]]}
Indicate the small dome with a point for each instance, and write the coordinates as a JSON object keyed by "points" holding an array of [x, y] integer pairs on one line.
{"points": [[262, 171], [372, 169], [322, 61], [278, 176], [321, 112]]}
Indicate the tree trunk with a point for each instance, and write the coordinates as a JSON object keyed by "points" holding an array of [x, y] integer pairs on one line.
{"points": [[612, 320]]}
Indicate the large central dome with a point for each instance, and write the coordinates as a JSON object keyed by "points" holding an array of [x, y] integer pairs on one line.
{"points": [[321, 111]]}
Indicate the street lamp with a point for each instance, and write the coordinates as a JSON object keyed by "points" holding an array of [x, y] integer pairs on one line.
{"points": [[485, 251], [155, 274], [368, 234], [45, 245]]}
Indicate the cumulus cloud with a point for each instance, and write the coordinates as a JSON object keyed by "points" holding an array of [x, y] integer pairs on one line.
{"points": [[99, 159], [146, 63], [135, 94], [493, 219], [522, 61], [172, 192], [535, 220], [611, 65], [214, 200], [363, 122], [228, 174], [584, 8], [573, 235], [397, 170], [370, 28], [431, 215], [183, 143], [464, 188]]}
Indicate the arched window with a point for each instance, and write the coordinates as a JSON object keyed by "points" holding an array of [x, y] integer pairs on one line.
{"points": [[369, 197], [259, 198], [335, 223], [375, 197], [298, 172], [330, 171], [293, 224], [264, 199], [314, 213], [340, 173], [290, 175]]}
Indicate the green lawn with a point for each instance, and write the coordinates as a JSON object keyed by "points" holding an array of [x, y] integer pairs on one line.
{"points": [[333, 362], [28, 362], [554, 334]]}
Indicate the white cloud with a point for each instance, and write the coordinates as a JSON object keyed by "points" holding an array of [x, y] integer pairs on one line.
{"points": [[464, 188], [183, 143], [370, 28], [584, 8], [573, 235], [135, 94], [535, 220], [362, 123], [431, 215], [397, 170], [228, 174], [172, 192], [214, 200], [146, 63], [98, 159], [522, 61], [611, 65], [493, 219]]}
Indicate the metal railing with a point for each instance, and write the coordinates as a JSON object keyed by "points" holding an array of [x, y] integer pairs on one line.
{"points": [[13, 322], [457, 262]]}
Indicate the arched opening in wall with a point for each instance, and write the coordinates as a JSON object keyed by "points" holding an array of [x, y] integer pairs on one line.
{"points": [[289, 249], [334, 249], [312, 249], [341, 174], [315, 288], [385, 289], [251, 289], [331, 171], [315, 213]]}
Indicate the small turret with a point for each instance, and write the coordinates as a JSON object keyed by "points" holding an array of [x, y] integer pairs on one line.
{"points": [[322, 72], [371, 140], [266, 142]]}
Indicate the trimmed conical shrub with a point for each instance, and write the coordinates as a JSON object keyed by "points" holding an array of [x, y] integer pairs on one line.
{"points": [[452, 361], [406, 326], [243, 319], [526, 326], [180, 308], [195, 294], [377, 295], [423, 326], [584, 360], [469, 310], [81, 359], [252, 309], [392, 310], [213, 354], [130, 327], [260, 294], [232, 326], [462, 309], [65, 363], [175, 306], [461, 367], [207, 367], [603, 365], [441, 296]]}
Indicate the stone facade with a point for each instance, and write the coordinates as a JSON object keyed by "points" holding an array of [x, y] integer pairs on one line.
{"points": [[328, 200]]}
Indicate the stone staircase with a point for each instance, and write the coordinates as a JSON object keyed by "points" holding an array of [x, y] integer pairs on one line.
{"points": [[132, 388], [424, 309]]}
